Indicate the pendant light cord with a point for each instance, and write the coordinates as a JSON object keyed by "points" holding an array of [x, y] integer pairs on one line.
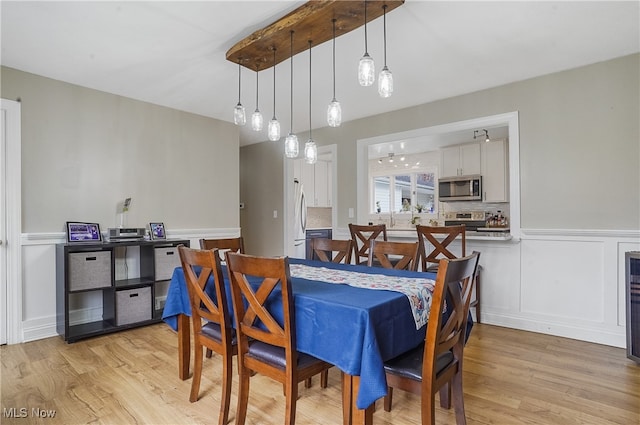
{"points": [[291, 82], [365, 27], [274, 83], [239, 79], [257, 89], [384, 23], [310, 138], [334, 58]]}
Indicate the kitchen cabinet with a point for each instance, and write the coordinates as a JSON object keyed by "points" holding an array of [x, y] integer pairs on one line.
{"points": [[313, 234], [495, 172], [461, 160], [90, 276], [317, 182]]}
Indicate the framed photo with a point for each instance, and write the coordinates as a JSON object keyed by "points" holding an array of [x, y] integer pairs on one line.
{"points": [[78, 231], [157, 231]]}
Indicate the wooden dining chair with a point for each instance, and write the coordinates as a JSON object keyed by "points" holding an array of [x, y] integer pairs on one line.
{"points": [[361, 236], [324, 250], [436, 243], [223, 245], [394, 255], [436, 365], [202, 268], [267, 345]]}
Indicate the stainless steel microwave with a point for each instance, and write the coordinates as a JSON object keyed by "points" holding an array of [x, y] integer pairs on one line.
{"points": [[461, 188]]}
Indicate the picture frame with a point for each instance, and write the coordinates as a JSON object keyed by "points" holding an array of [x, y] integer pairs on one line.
{"points": [[157, 231], [83, 232]]}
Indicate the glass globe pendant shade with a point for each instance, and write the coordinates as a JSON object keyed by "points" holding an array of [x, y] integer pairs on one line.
{"points": [[385, 82], [273, 130], [366, 70], [334, 114], [291, 147], [310, 152], [239, 117], [257, 121]]}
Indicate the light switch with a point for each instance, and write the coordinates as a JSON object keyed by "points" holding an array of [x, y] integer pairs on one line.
{"points": [[350, 212], [275, 213]]}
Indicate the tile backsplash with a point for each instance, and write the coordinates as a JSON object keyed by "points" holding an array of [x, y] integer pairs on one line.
{"points": [[318, 218]]}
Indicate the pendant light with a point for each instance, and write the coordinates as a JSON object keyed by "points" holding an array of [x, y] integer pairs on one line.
{"points": [[366, 67], [385, 79], [310, 148], [334, 112], [256, 118], [239, 117], [291, 141], [273, 130]]}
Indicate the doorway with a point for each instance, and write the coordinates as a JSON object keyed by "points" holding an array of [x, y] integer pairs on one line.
{"points": [[329, 152], [10, 222]]}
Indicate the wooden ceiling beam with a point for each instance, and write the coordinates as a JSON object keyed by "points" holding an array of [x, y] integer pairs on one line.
{"points": [[311, 21]]}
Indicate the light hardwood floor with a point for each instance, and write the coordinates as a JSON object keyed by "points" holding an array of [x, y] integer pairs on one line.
{"points": [[511, 377]]}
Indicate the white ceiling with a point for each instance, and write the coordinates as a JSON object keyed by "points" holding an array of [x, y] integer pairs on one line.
{"points": [[173, 53]]}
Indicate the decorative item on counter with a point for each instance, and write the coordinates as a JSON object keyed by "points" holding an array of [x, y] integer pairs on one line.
{"points": [[497, 220], [419, 208], [378, 208], [157, 231]]}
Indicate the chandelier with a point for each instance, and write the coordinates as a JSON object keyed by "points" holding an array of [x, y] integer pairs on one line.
{"points": [[319, 21]]}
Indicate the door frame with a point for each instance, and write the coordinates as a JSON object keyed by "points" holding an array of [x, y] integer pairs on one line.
{"points": [[11, 277]]}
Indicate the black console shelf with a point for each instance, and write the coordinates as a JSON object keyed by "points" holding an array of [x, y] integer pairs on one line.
{"points": [[86, 282]]}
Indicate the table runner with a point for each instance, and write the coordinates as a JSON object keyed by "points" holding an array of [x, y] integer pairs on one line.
{"points": [[417, 290]]}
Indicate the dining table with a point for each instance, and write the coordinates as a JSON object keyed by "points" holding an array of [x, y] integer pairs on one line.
{"points": [[354, 317]]}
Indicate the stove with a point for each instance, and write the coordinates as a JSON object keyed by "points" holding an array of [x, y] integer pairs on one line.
{"points": [[473, 220]]}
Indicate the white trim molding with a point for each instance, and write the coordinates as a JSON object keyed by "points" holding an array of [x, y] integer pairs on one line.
{"points": [[13, 209]]}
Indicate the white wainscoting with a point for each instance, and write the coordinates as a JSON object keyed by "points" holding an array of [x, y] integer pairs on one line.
{"points": [[39, 280], [567, 283]]}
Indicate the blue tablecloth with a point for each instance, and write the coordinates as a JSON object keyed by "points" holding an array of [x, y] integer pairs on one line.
{"points": [[352, 328]]}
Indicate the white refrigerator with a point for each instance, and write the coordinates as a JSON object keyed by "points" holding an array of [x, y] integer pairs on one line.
{"points": [[299, 221]]}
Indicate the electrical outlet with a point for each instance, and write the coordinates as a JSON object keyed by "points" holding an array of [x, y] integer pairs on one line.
{"points": [[351, 213]]}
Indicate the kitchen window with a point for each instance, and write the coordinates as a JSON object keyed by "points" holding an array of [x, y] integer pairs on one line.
{"points": [[406, 194]]}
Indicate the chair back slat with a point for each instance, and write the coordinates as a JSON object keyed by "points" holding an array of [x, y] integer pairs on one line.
{"points": [[394, 255], [201, 268], [324, 248], [434, 243], [361, 236], [224, 245], [451, 298], [251, 306]]}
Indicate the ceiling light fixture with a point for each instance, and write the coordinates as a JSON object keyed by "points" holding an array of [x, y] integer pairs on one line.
{"points": [[391, 157], [256, 118], [366, 67], [334, 112], [291, 141], [310, 148], [385, 79], [486, 135], [273, 129], [239, 117]]}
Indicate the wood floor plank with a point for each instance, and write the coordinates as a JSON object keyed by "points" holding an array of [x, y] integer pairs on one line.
{"points": [[511, 377]]}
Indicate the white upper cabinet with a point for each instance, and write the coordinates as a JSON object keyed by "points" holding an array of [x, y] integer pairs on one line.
{"points": [[316, 181], [462, 160], [495, 172]]}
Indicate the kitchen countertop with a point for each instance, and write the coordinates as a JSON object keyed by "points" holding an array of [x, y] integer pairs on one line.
{"points": [[470, 235]]}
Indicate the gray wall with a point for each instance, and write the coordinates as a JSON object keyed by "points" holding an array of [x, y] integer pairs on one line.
{"points": [[84, 151], [579, 148]]}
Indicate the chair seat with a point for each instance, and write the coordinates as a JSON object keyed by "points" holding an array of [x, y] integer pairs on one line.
{"points": [[212, 330], [409, 364], [276, 355]]}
